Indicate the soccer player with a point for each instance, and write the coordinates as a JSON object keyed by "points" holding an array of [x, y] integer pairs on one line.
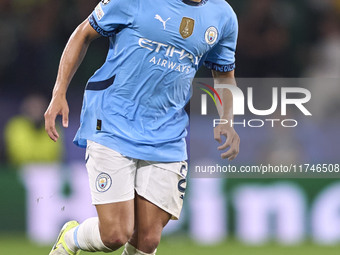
{"points": [[133, 124]]}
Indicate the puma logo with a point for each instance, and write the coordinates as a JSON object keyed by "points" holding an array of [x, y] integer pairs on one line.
{"points": [[161, 20]]}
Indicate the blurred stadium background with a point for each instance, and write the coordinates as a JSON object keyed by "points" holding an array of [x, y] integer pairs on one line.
{"points": [[43, 184]]}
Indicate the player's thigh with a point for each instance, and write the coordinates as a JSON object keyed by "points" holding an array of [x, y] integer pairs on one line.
{"points": [[162, 184], [112, 184], [116, 221], [160, 191]]}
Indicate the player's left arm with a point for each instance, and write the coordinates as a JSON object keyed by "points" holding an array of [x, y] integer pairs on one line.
{"points": [[226, 113], [221, 60]]}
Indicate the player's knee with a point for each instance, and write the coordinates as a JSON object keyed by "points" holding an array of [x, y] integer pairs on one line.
{"points": [[115, 240], [150, 241]]}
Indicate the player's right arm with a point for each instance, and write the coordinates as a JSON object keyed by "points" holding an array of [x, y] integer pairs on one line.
{"points": [[71, 59]]}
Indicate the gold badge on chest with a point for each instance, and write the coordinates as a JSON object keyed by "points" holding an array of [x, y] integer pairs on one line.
{"points": [[187, 27]]}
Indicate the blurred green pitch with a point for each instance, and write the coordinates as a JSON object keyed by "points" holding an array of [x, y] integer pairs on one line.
{"points": [[19, 245]]}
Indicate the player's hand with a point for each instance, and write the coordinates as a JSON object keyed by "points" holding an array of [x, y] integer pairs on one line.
{"points": [[233, 141], [58, 106]]}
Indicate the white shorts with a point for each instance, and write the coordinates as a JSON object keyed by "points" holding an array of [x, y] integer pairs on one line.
{"points": [[115, 178]]}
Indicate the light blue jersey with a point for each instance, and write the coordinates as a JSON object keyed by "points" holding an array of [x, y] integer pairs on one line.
{"points": [[134, 103]]}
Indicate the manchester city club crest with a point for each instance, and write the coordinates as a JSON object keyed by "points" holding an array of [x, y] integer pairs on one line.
{"points": [[105, 2], [103, 182], [211, 35]]}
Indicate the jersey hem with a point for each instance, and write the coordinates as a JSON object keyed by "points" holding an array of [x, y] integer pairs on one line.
{"points": [[82, 142]]}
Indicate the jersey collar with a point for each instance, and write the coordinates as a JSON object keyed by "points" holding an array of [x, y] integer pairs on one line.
{"points": [[193, 3]]}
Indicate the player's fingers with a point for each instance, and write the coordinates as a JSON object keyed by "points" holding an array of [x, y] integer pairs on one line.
{"points": [[52, 133], [55, 133], [224, 146], [227, 143], [217, 135], [229, 153], [50, 126], [233, 151], [233, 157], [65, 118]]}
